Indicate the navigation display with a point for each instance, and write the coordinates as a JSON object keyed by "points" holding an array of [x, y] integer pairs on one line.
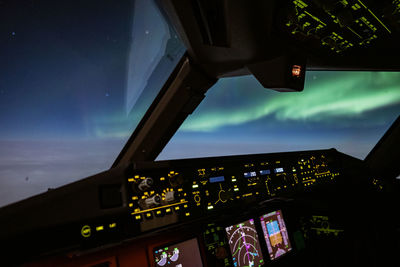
{"points": [[275, 234], [183, 254], [244, 244]]}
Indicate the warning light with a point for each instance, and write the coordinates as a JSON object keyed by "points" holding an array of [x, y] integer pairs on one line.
{"points": [[296, 71]]}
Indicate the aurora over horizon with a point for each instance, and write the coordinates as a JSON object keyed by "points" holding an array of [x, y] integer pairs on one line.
{"points": [[67, 88], [348, 111]]}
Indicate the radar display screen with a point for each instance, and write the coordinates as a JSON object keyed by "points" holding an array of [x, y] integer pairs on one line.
{"points": [[275, 234], [244, 244], [183, 254]]}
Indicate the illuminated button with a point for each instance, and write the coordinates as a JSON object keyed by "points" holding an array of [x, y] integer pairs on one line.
{"points": [[138, 217], [149, 215], [185, 206], [168, 211], [187, 214], [112, 225], [99, 228], [177, 209], [159, 213], [86, 231]]}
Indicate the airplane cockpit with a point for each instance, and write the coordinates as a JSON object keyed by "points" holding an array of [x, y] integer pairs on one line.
{"points": [[210, 132]]}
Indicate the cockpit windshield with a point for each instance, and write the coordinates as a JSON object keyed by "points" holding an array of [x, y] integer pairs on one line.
{"points": [[76, 78], [349, 111]]}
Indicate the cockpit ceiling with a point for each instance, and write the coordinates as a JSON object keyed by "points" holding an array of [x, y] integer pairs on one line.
{"points": [[225, 36]]}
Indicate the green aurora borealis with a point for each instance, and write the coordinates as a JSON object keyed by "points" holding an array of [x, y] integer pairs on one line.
{"points": [[326, 96], [349, 111]]}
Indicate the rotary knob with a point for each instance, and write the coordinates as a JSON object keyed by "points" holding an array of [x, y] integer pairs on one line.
{"points": [[153, 201], [146, 184], [170, 196]]}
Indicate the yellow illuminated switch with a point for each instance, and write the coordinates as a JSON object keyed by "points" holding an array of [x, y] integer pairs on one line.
{"points": [[159, 213], [168, 210], [177, 209], [149, 215], [86, 231], [99, 228], [138, 217], [112, 225], [185, 206], [187, 214]]}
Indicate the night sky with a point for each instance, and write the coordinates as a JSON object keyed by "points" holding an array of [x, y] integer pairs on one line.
{"points": [[348, 111], [71, 93]]}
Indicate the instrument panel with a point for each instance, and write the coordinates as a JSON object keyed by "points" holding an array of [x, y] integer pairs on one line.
{"points": [[167, 192], [341, 26], [146, 198]]}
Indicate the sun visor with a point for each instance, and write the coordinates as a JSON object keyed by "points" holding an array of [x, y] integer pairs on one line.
{"points": [[284, 74]]}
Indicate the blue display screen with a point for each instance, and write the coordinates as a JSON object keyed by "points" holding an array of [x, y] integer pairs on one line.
{"points": [[278, 170], [249, 174], [217, 179], [264, 172]]}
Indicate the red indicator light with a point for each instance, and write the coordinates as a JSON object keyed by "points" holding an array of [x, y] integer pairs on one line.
{"points": [[296, 71]]}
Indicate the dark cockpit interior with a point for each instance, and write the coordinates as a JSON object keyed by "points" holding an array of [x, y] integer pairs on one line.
{"points": [[168, 202]]}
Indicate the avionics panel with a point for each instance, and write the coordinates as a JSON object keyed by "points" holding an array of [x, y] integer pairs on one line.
{"points": [[244, 244], [339, 26], [164, 193], [275, 234], [183, 254]]}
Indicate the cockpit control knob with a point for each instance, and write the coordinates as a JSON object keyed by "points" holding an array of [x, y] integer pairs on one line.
{"points": [[146, 184], [176, 180], [153, 201], [170, 196]]}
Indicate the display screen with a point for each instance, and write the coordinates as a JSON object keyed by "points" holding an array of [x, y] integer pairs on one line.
{"points": [[265, 172], [244, 244], [278, 170], [183, 254], [217, 179], [275, 234], [249, 174]]}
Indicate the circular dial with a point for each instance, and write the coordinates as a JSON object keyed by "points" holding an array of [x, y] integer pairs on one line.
{"points": [[146, 184], [243, 242]]}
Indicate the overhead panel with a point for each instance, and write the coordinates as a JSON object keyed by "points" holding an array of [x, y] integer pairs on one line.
{"points": [[341, 26]]}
